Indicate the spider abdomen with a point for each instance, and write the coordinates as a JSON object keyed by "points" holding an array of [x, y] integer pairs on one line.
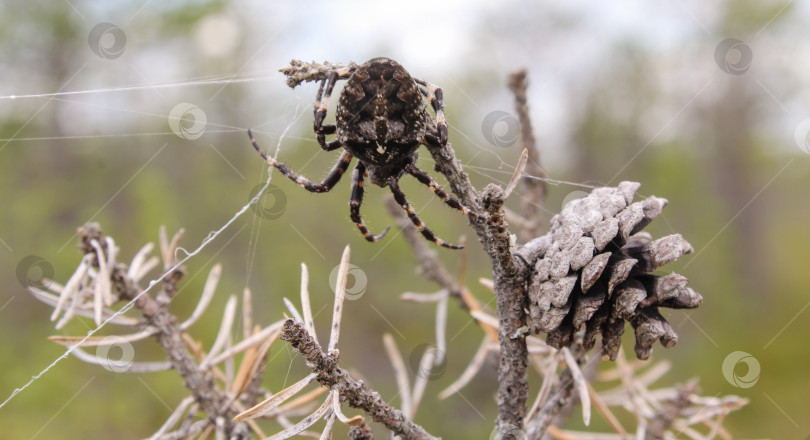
{"points": [[381, 117], [381, 120]]}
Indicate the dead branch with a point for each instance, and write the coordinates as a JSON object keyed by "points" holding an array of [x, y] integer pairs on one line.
{"points": [[534, 187], [356, 393], [169, 335]]}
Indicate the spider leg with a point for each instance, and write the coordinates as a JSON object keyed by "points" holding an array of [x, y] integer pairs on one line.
{"points": [[321, 106], [357, 200], [328, 182], [425, 179], [437, 102], [399, 196], [426, 93]]}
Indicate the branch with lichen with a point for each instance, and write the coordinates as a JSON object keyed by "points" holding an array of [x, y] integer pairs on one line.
{"points": [[100, 282], [300, 333], [667, 412], [509, 272], [354, 392], [300, 71], [228, 399]]}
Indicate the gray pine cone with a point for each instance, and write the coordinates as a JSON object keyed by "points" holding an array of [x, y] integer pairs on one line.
{"points": [[593, 271]]}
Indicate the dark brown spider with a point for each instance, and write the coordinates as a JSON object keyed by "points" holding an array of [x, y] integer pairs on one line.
{"points": [[381, 120]]}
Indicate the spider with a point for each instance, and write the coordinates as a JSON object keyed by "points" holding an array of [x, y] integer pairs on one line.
{"points": [[381, 120]]}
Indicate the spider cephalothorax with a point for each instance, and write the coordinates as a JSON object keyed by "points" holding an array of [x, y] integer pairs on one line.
{"points": [[381, 120]]}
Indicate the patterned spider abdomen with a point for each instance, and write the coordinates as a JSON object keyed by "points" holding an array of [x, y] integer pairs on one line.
{"points": [[381, 118]]}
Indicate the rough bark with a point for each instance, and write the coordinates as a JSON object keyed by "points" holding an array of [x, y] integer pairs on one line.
{"points": [[509, 275], [200, 382], [354, 392]]}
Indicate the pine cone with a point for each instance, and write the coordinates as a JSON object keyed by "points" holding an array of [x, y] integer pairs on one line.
{"points": [[593, 272]]}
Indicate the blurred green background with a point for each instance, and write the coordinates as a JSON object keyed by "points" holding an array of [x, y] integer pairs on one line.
{"points": [[647, 91]]}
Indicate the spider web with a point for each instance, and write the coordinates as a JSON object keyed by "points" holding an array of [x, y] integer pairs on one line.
{"points": [[500, 174], [188, 255]]}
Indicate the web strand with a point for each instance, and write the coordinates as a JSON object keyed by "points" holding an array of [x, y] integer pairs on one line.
{"points": [[191, 83], [505, 168], [129, 305]]}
